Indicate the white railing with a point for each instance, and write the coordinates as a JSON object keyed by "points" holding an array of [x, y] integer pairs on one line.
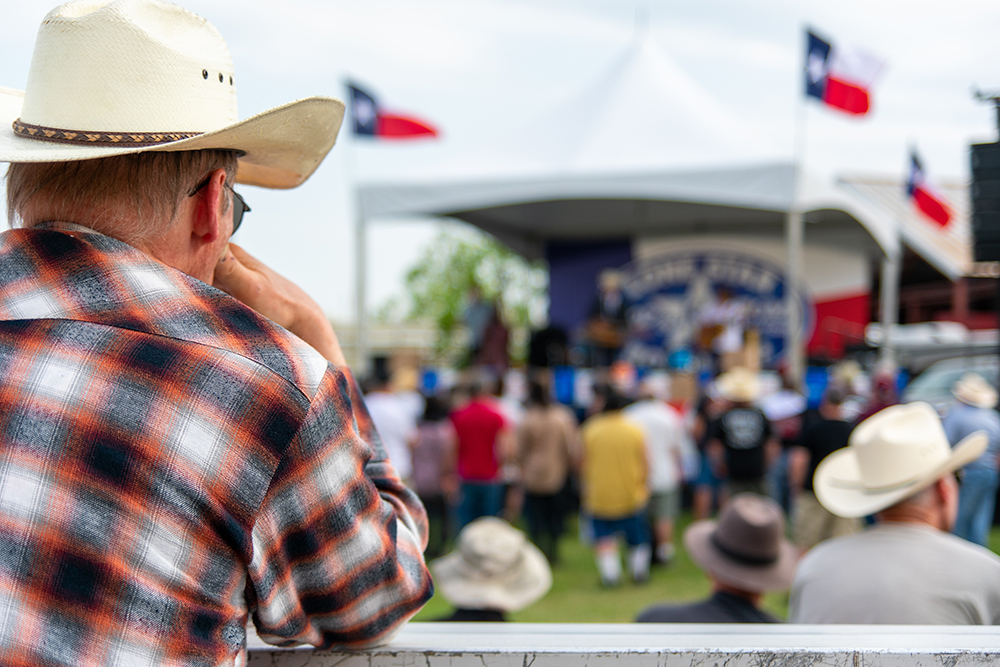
{"points": [[655, 645]]}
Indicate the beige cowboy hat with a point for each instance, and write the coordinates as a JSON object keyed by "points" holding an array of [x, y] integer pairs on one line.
{"points": [[493, 566], [746, 546], [890, 456], [973, 390], [112, 78], [740, 385]]}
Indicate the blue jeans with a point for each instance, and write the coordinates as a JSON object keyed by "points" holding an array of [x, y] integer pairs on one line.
{"points": [[976, 501], [777, 482], [479, 499]]}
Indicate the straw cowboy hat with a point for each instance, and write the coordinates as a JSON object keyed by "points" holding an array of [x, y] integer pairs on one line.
{"points": [[890, 456], [746, 547], [146, 75], [493, 566], [740, 385], [973, 390]]}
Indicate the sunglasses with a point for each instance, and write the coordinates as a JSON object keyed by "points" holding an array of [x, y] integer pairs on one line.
{"points": [[239, 205]]}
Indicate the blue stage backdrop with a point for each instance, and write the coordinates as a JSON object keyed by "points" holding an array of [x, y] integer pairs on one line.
{"points": [[573, 270], [674, 298]]}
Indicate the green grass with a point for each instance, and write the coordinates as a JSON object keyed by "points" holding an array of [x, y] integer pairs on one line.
{"points": [[577, 596]]}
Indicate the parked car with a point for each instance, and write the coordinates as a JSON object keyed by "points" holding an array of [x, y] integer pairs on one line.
{"points": [[935, 383]]}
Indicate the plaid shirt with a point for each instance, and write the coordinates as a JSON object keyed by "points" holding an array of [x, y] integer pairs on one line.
{"points": [[171, 461]]}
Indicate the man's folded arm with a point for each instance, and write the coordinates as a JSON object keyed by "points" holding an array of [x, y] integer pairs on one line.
{"points": [[337, 547]]}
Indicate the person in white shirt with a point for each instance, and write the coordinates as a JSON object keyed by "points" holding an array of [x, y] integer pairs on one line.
{"points": [[394, 420], [667, 441]]}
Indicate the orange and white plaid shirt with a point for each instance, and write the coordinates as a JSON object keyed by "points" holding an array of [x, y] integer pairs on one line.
{"points": [[172, 462]]}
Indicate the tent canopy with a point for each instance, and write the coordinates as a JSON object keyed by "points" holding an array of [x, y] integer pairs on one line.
{"points": [[525, 213], [644, 150]]}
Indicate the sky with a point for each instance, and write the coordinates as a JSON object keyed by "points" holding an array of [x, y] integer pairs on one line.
{"points": [[484, 71]]}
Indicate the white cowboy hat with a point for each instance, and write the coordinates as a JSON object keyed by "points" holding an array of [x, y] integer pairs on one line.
{"points": [[746, 547], [890, 456], [146, 75], [493, 566], [740, 385], [973, 390]]}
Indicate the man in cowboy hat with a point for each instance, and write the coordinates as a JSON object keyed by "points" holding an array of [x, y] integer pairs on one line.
{"points": [[974, 410], [744, 554], [907, 568], [742, 445], [181, 444]]}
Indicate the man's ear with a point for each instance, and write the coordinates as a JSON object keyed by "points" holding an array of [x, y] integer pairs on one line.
{"points": [[208, 224]]}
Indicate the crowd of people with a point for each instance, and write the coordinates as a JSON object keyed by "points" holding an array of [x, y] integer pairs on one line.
{"points": [[183, 447], [783, 497]]}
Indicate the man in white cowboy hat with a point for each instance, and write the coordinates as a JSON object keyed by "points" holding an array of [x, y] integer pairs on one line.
{"points": [[974, 410], [907, 568], [745, 554], [742, 444], [493, 571], [181, 444]]}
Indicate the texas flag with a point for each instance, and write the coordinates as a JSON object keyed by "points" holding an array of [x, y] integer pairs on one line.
{"points": [[370, 120], [926, 200], [840, 77]]}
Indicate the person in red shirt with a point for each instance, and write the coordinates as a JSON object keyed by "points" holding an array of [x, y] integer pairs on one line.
{"points": [[485, 441]]}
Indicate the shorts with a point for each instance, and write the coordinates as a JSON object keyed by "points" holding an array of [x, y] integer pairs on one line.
{"points": [[812, 523], [756, 485], [665, 505], [635, 528]]}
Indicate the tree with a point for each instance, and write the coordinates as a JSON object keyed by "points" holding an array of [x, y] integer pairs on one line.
{"points": [[459, 260]]}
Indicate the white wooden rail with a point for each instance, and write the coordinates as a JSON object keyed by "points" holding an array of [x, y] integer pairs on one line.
{"points": [[655, 645]]}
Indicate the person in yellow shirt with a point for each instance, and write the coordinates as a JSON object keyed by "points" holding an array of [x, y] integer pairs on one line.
{"points": [[614, 492]]}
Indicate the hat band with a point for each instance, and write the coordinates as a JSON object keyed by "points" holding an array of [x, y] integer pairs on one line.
{"points": [[482, 567], [91, 138], [745, 559], [873, 488]]}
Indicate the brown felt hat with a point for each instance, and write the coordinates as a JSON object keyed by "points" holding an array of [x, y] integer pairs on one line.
{"points": [[746, 547]]}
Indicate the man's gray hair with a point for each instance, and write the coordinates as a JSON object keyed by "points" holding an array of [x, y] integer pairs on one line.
{"points": [[131, 197]]}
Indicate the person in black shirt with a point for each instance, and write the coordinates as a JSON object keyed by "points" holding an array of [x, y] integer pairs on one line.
{"points": [[744, 554], [742, 444], [811, 522]]}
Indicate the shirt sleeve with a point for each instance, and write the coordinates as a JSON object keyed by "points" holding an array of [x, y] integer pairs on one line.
{"points": [[769, 431], [714, 429], [337, 546]]}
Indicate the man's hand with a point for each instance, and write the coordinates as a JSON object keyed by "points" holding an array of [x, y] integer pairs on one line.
{"points": [[246, 279]]}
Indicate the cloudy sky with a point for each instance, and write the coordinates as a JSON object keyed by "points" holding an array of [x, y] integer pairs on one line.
{"points": [[482, 69]]}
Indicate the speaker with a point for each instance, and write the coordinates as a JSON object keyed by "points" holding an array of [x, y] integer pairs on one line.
{"points": [[986, 202]]}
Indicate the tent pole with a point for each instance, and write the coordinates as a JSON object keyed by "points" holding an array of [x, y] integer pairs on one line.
{"points": [[794, 231], [360, 368], [794, 236], [361, 317], [889, 297]]}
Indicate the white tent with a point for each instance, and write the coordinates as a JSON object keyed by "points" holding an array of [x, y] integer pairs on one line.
{"points": [[644, 150]]}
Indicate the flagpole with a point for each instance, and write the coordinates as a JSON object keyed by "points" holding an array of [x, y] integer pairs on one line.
{"points": [[360, 251], [794, 234]]}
